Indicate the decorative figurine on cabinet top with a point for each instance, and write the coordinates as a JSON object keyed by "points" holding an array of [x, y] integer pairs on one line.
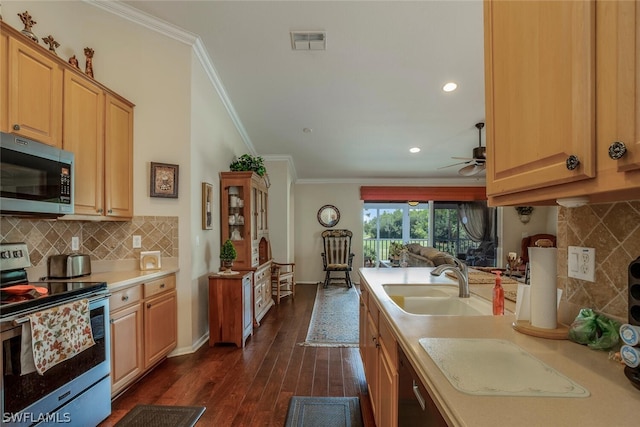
{"points": [[50, 41], [88, 52], [28, 23], [74, 62]]}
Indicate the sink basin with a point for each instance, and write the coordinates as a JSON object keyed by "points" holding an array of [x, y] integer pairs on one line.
{"points": [[436, 300]]}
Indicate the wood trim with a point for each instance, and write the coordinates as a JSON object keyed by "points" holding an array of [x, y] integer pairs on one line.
{"points": [[422, 194]]}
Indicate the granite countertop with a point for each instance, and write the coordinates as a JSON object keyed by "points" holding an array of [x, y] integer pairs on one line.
{"points": [[612, 401]]}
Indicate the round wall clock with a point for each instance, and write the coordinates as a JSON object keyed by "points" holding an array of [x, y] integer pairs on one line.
{"points": [[328, 216]]}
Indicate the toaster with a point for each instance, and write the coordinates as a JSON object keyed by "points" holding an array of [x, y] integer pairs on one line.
{"points": [[68, 266]]}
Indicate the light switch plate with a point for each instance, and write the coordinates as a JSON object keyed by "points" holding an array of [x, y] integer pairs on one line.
{"points": [[75, 243], [137, 242], [582, 263]]}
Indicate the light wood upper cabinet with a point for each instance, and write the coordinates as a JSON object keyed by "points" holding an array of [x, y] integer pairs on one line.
{"points": [[118, 158], [35, 93], [4, 82], [561, 80], [84, 104]]}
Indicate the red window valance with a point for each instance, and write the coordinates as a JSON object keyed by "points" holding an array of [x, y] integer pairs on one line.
{"points": [[421, 194]]}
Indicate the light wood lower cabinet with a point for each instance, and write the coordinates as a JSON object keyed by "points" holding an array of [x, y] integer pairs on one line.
{"points": [[378, 349], [143, 329]]}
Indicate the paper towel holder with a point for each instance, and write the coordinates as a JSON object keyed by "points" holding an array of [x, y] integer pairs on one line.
{"points": [[150, 260]]}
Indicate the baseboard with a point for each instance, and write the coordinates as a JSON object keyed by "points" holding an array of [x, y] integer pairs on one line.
{"points": [[192, 349]]}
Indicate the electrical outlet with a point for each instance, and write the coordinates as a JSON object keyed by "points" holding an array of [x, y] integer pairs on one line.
{"points": [[75, 243], [582, 263], [137, 242]]}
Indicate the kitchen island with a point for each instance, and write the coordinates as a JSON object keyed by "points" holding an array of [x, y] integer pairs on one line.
{"points": [[612, 400]]}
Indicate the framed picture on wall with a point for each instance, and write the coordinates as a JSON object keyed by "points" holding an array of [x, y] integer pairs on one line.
{"points": [[164, 180], [207, 206]]}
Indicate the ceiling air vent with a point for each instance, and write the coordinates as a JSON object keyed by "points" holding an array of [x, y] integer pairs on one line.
{"points": [[308, 40]]}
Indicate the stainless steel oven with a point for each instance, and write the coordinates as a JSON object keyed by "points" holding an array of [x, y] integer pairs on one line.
{"points": [[75, 392]]}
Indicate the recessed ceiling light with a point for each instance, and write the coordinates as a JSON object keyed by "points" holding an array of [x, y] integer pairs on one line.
{"points": [[307, 130], [449, 87], [414, 150]]}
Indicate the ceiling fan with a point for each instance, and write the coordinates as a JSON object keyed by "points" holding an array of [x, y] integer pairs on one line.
{"points": [[475, 164]]}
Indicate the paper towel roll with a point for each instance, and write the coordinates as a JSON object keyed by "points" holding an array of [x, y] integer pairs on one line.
{"points": [[544, 313]]}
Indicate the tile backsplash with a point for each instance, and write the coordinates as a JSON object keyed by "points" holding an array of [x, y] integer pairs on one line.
{"points": [[613, 229], [108, 240]]}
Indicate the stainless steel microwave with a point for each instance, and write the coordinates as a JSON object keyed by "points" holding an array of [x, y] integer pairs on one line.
{"points": [[35, 178]]}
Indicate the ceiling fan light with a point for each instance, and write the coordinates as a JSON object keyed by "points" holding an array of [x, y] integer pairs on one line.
{"points": [[471, 170]]}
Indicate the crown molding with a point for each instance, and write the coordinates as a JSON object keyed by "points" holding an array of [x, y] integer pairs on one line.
{"points": [[283, 158], [174, 32]]}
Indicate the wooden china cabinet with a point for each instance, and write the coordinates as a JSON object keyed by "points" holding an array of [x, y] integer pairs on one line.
{"points": [[243, 219]]}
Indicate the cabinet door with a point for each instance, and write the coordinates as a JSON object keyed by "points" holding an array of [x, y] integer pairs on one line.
{"points": [[388, 395], [618, 89], [35, 94], [371, 368], [126, 346], [118, 158], [160, 327], [540, 93], [84, 136], [4, 83]]}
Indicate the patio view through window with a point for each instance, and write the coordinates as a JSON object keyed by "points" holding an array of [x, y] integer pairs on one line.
{"points": [[435, 224]]}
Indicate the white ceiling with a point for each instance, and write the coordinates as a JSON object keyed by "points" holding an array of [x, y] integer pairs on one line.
{"points": [[372, 94]]}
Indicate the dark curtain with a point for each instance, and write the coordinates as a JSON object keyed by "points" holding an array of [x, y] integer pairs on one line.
{"points": [[478, 220]]}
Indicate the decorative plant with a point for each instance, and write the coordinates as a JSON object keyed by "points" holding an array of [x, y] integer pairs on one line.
{"points": [[247, 162], [395, 249], [524, 210], [228, 251], [524, 213]]}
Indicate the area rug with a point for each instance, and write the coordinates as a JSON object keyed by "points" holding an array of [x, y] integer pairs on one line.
{"points": [[324, 411], [162, 416], [334, 320]]}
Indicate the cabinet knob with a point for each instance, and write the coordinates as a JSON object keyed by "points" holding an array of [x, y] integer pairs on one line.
{"points": [[572, 162], [162, 286], [149, 305], [16, 127], [110, 211], [617, 150], [125, 297], [100, 210]]}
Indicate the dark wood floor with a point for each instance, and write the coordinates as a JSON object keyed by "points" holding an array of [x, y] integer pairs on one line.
{"points": [[252, 387]]}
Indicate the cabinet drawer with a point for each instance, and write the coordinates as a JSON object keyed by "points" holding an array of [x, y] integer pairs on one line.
{"points": [[125, 297], [160, 285]]}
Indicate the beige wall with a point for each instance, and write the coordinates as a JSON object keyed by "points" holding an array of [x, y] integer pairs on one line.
{"points": [[179, 119], [543, 220], [308, 242]]}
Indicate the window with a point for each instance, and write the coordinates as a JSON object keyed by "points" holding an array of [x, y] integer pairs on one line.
{"points": [[435, 224]]}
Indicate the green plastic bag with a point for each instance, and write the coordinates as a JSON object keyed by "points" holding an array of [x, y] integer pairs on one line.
{"points": [[595, 330]]}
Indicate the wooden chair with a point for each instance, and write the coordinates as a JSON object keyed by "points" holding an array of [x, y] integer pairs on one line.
{"points": [[337, 255], [283, 280]]}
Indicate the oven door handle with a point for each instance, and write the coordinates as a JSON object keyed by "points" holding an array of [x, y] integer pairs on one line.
{"points": [[25, 319]]}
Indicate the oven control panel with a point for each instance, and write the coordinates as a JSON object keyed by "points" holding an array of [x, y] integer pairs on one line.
{"points": [[14, 256]]}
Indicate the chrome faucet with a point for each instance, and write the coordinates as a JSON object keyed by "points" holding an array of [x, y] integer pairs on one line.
{"points": [[461, 271]]}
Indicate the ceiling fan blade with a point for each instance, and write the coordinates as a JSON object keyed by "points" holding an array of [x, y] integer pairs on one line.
{"points": [[463, 158], [471, 170], [455, 164]]}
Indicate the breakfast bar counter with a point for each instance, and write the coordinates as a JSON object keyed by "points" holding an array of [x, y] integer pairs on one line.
{"points": [[611, 399]]}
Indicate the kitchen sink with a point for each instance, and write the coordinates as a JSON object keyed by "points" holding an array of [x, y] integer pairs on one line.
{"points": [[436, 300]]}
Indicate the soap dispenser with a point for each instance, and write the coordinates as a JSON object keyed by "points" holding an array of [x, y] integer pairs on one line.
{"points": [[498, 295]]}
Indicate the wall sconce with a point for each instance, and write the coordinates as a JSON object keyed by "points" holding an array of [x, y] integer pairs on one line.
{"points": [[524, 213], [413, 203]]}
